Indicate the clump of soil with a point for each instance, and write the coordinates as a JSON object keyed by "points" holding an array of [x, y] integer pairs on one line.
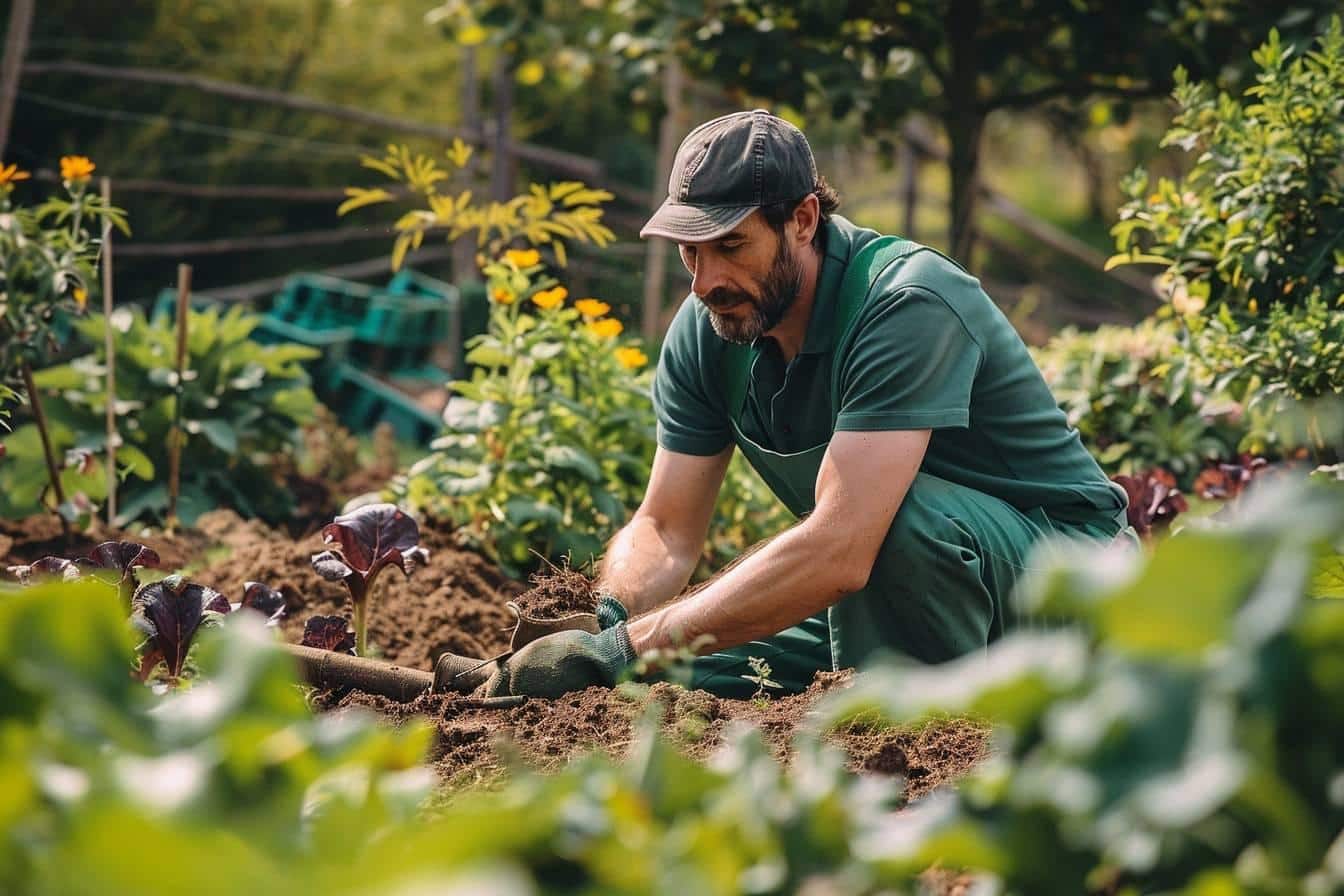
{"points": [[472, 742], [556, 593]]}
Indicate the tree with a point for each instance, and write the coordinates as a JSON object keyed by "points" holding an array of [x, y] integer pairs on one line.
{"points": [[957, 61]]}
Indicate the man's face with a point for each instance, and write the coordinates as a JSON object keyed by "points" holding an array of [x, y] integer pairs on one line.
{"points": [[748, 279]]}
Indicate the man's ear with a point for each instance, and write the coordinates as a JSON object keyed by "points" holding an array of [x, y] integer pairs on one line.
{"points": [[806, 220]]}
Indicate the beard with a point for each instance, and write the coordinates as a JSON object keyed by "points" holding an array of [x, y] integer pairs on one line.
{"points": [[777, 292]]}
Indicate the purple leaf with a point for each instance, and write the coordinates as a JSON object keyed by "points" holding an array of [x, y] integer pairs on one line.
{"points": [[368, 536], [170, 613], [121, 555], [114, 563], [268, 601], [45, 570], [329, 633]]}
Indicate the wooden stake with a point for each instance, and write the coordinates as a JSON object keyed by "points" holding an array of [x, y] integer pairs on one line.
{"points": [[11, 66], [669, 133], [175, 443], [54, 472], [110, 349]]}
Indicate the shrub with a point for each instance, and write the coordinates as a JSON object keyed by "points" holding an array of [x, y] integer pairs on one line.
{"points": [[242, 402], [1116, 386], [1259, 218]]}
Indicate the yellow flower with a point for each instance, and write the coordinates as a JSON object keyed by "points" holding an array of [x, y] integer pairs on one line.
{"points": [[1254, 306], [523, 258], [11, 173], [81, 297], [631, 358], [608, 328], [502, 295], [550, 298], [76, 168], [592, 307]]}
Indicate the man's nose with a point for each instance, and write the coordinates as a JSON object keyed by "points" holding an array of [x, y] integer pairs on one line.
{"points": [[706, 277]]}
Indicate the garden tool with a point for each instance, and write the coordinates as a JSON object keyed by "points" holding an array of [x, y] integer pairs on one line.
{"points": [[327, 668]]}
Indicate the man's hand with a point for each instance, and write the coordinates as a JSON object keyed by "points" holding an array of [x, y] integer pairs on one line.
{"points": [[564, 662]]}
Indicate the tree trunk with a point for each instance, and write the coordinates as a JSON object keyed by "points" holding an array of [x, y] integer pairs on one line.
{"points": [[964, 122], [53, 471]]}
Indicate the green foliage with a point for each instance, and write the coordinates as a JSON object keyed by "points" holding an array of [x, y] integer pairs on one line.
{"points": [[548, 446], [548, 215], [1273, 365], [242, 402], [1116, 385], [1259, 218], [48, 254], [1182, 733]]}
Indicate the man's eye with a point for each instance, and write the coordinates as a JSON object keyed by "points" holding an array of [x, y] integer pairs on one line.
{"points": [[729, 247]]}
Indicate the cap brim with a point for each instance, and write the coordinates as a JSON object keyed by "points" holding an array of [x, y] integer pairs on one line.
{"points": [[693, 224]]}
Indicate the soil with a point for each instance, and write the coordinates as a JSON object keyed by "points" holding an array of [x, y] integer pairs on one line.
{"points": [[456, 603], [557, 592]]}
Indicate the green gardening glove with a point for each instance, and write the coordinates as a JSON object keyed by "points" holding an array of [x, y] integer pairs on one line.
{"points": [[610, 611], [565, 661]]}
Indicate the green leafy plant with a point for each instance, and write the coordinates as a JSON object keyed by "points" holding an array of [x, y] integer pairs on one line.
{"points": [[48, 255], [544, 216], [1258, 219], [547, 448], [1121, 388], [242, 403], [1182, 734], [760, 676]]}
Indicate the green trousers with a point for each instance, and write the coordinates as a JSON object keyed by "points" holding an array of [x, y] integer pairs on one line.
{"points": [[939, 589]]}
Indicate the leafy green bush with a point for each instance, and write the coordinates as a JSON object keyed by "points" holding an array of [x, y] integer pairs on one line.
{"points": [[1274, 366], [1184, 734], [548, 446], [1259, 218], [242, 401], [1116, 386]]}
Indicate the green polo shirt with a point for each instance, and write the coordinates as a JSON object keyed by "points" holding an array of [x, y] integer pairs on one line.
{"points": [[929, 350]]}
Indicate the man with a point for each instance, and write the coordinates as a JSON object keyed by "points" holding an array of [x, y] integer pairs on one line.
{"points": [[883, 397]]}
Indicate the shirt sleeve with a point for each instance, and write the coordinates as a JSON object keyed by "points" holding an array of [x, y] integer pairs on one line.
{"points": [[911, 365], [692, 414]]}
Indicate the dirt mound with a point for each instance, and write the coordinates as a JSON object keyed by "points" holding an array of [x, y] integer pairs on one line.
{"points": [[454, 603], [26, 540], [557, 592]]}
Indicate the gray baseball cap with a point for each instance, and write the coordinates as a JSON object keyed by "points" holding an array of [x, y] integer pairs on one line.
{"points": [[727, 168]]}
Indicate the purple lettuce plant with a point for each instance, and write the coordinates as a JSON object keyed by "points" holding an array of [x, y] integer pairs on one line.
{"points": [[329, 633], [113, 563], [365, 542]]}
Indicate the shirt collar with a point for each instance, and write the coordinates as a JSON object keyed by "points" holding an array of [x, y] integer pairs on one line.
{"points": [[820, 336]]}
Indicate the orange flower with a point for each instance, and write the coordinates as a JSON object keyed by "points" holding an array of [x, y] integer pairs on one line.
{"points": [[503, 295], [550, 298], [523, 258], [631, 358], [81, 297], [76, 168], [11, 173], [592, 307], [607, 328]]}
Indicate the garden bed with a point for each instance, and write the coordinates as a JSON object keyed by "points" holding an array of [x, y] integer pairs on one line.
{"points": [[456, 603]]}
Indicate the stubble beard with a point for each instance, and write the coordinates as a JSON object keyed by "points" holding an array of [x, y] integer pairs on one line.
{"points": [[778, 291]]}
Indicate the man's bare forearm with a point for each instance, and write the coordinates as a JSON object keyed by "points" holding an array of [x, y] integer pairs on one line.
{"points": [[644, 566]]}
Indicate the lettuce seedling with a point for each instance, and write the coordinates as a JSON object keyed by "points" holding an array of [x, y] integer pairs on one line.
{"points": [[329, 633], [268, 601], [169, 613], [365, 542], [44, 570], [114, 563], [1154, 500]]}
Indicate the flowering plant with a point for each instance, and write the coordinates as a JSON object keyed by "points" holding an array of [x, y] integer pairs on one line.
{"points": [[548, 446], [48, 255]]}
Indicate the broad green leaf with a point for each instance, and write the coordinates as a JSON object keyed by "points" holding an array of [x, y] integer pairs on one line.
{"points": [[567, 457]]}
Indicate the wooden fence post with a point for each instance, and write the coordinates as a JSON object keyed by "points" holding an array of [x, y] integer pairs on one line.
{"points": [[669, 133], [110, 346], [16, 46], [178, 437]]}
